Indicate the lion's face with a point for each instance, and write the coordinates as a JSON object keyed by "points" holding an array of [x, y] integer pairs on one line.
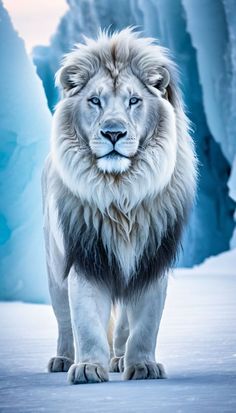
{"points": [[115, 117]]}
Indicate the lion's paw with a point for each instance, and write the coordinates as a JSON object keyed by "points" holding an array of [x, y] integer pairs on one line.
{"points": [[117, 364], [87, 373], [59, 364], [142, 371]]}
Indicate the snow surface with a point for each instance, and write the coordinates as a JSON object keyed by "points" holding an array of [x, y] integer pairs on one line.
{"points": [[190, 30], [196, 344], [24, 140]]}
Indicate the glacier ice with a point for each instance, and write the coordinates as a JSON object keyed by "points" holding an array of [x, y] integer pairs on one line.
{"points": [[205, 76], [214, 38], [24, 129]]}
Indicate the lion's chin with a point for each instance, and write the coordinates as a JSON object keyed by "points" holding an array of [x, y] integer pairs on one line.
{"points": [[117, 164]]}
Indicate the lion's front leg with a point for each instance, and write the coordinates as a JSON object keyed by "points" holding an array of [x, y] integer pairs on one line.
{"points": [[90, 312], [144, 317]]}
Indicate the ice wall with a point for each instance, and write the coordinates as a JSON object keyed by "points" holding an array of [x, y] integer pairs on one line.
{"points": [[191, 30], [214, 38], [24, 136]]}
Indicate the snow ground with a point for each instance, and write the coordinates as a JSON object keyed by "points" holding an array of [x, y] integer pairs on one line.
{"points": [[196, 344]]}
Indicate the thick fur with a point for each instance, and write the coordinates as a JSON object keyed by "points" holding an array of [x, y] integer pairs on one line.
{"points": [[85, 247], [117, 223]]}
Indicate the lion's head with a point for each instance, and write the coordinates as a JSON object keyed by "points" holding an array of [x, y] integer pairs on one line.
{"points": [[121, 119]]}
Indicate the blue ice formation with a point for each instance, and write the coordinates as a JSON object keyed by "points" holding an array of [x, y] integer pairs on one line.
{"points": [[24, 134], [201, 36], [214, 38]]}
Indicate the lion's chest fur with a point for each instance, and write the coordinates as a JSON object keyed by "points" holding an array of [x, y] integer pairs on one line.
{"points": [[123, 250], [124, 236], [112, 236]]}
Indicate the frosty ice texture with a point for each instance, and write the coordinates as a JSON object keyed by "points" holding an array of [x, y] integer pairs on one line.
{"points": [[24, 137]]}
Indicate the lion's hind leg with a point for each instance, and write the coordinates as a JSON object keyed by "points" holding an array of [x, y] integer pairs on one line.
{"points": [[65, 343], [58, 288], [117, 364], [121, 334]]}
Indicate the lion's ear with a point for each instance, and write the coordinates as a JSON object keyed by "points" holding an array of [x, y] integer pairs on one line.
{"points": [[67, 77], [163, 79]]}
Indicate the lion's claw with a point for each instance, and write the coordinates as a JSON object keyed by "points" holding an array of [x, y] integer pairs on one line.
{"points": [[59, 364], [142, 371], [87, 373]]}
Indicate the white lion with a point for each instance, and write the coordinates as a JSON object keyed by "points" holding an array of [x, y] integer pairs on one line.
{"points": [[117, 188]]}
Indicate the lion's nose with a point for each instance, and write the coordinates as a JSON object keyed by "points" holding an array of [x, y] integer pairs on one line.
{"points": [[113, 136], [113, 133]]}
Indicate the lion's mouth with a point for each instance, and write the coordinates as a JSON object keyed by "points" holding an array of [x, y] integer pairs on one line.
{"points": [[113, 155]]}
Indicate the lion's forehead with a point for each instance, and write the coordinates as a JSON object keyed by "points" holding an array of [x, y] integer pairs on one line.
{"points": [[125, 84]]}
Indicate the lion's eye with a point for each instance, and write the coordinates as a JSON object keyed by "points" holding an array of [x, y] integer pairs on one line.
{"points": [[95, 101], [134, 100]]}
